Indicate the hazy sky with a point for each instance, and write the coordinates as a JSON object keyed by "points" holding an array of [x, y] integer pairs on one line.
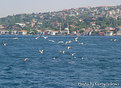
{"points": [[10, 7]]}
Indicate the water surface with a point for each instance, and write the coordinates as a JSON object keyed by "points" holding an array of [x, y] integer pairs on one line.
{"points": [[97, 60]]}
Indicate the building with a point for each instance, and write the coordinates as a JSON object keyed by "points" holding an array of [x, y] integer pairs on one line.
{"points": [[73, 32], [110, 29], [44, 32], [109, 33], [101, 33], [3, 32], [118, 32], [2, 27], [54, 32], [13, 32], [23, 32], [21, 24], [67, 29], [39, 32]]}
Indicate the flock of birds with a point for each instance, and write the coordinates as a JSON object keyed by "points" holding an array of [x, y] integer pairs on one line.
{"points": [[59, 42], [41, 51], [62, 42]]}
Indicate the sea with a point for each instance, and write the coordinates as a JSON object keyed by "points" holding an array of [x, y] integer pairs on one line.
{"points": [[90, 62]]}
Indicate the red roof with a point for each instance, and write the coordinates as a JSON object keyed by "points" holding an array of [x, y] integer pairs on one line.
{"points": [[118, 26], [109, 31], [101, 33], [3, 30], [1, 26], [23, 31]]}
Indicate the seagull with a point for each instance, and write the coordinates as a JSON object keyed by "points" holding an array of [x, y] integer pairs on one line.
{"points": [[60, 42], [45, 37], [62, 52], [51, 40], [69, 41], [15, 38], [41, 51], [54, 58], [76, 39], [81, 43], [111, 39], [66, 42], [26, 59], [68, 47], [83, 58], [4, 44], [73, 54], [114, 40], [37, 37]]}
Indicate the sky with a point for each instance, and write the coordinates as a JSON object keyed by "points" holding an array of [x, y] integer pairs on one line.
{"points": [[12, 7]]}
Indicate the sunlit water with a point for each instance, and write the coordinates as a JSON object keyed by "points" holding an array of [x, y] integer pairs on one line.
{"points": [[97, 60]]}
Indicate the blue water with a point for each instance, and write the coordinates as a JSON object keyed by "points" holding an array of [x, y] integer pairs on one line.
{"points": [[101, 62]]}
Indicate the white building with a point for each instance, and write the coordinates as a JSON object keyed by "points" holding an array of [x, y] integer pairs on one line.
{"points": [[109, 33], [21, 24], [2, 32]]}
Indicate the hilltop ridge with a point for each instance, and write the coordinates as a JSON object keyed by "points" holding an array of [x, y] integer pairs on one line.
{"points": [[74, 19]]}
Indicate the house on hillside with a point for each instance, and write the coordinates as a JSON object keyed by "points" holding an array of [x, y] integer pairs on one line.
{"points": [[67, 29], [2, 27], [54, 32], [21, 24], [44, 33], [48, 32], [39, 32], [23, 32], [3, 32], [87, 32], [119, 27], [101, 33], [64, 32], [118, 32], [110, 29], [73, 32], [13, 32], [109, 33]]}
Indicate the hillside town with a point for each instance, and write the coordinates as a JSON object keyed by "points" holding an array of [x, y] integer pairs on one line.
{"points": [[84, 21]]}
